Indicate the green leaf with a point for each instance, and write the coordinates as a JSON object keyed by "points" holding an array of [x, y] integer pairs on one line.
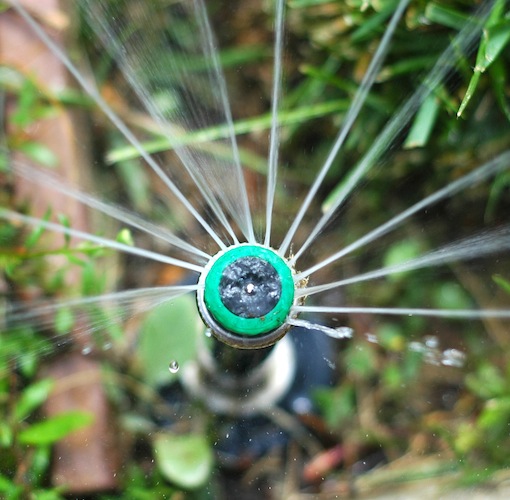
{"points": [[498, 73], [125, 236], [185, 460], [487, 382], [401, 252], [257, 124], [37, 232], [375, 22], [32, 397], [48, 495], [391, 337], [451, 295], [4, 161], [445, 16], [361, 360], [336, 404], [55, 428], [5, 484], [27, 101], [64, 320], [496, 414], [11, 490], [5, 435], [300, 4], [502, 282], [64, 220], [169, 332], [40, 153], [423, 123], [497, 37], [473, 83]]}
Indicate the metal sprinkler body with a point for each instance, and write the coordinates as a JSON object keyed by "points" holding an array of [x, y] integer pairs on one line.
{"points": [[245, 295]]}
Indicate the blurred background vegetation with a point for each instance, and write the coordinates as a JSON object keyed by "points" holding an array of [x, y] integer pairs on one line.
{"points": [[397, 414]]}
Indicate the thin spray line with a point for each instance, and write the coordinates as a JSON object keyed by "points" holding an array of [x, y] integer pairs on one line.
{"points": [[226, 107], [33, 221], [487, 243], [33, 175], [275, 133], [122, 297], [402, 311]]}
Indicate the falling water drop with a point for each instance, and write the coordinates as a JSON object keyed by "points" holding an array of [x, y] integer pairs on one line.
{"points": [[329, 362], [341, 332], [453, 357], [208, 333], [372, 338], [107, 346], [173, 367], [431, 342], [86, 350]]}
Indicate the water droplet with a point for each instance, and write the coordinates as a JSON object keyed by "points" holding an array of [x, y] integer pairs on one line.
{"points": [[372, 338], [341, 332], [329, 363], [86, 350], [173, 367], [250, 287], [432, 342], [107, 346], [208, 333], [302, 405], [453, 357], [416, 347]]}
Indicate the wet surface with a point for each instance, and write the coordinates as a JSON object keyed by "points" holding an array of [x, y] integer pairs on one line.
{"points": [[250, 287]]}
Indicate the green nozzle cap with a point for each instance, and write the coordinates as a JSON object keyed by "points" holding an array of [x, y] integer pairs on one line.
{"points": [[249, 290]]}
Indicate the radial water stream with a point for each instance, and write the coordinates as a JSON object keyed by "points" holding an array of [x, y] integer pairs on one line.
{"points": [[402, 311], [114, 118], [275, 105], [212, 51], [35, 222], [156, 294], [481, 245], [88, 322], [353, 112], [482, 173], [31, 174], [465, 39], [139, 61]]}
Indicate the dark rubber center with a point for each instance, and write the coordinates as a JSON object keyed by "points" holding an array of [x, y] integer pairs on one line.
{"points": [[250, 287]]}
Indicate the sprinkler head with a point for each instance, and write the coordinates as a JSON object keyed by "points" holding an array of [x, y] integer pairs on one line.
{"points": [[245, 295]]}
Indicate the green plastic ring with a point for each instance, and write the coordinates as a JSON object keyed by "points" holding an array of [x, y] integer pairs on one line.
{"points": [[249, 326]]}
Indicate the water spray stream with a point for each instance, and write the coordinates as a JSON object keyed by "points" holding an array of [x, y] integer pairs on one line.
{"points": [[274, 134], [404, 311], [482, 173], [114, 118], [487, 243], [463, 41], [128, 57], [352, 114], [31, 174], [114, 245], [212, 55]]}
